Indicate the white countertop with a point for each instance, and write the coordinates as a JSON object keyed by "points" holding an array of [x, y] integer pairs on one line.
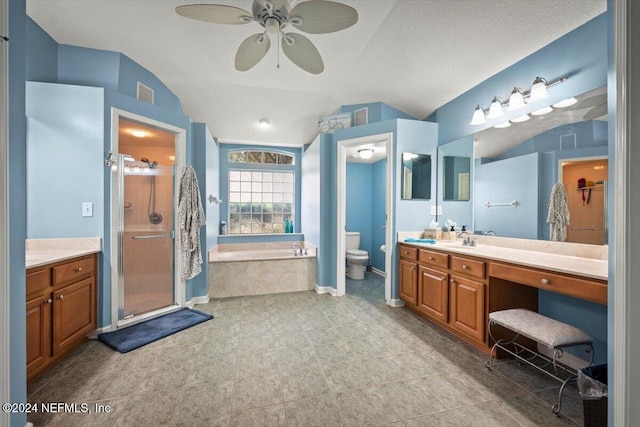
{"points": [[579, 266], [41, 252]]}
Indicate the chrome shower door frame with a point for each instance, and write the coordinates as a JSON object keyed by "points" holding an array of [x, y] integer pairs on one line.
{"points": [[117, 222]]}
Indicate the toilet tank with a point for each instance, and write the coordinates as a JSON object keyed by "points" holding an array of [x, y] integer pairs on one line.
{"points": [[352, 240]]}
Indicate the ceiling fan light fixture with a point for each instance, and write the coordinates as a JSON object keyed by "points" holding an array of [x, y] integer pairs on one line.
{"points": [[365, 153], [272, 25]]}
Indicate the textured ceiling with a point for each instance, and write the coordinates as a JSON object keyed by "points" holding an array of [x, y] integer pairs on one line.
{"points": [[415, 55]]}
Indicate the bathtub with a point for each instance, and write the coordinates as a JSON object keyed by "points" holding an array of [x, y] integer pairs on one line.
{"points": [[239, 269]]}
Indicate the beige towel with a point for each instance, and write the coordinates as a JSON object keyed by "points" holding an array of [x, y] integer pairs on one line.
{"points": [[558, 217], [190, 218]]}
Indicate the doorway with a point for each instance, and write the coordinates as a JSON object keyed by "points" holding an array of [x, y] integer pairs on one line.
{"points": [[148, 155], [383, 142], [585, 181]]}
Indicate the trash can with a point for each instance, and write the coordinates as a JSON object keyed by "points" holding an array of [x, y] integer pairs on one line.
{"points": [[592, 384]]}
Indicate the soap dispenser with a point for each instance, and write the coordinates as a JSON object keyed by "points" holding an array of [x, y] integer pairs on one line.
{"points": [[453, 236]]}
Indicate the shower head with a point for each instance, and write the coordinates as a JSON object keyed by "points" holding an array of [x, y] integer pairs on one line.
{"points": [[152, 165]]}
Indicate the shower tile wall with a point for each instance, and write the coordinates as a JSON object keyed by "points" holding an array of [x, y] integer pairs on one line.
{"points": [[148, 262]]}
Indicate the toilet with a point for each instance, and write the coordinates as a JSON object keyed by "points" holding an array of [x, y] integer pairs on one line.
{"points": [[356, 258]]}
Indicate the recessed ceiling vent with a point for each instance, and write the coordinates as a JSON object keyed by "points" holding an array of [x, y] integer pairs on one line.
{"points": [[145, 93]]}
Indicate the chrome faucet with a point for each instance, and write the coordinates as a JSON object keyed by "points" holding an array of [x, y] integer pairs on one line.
{"points": [[468, 240], [293, 247]]}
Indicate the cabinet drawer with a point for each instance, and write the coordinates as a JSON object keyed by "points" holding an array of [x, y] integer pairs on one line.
{"points": [[409, 253], [72, 270], [434, 258], [581, 288], [38, 280], [468, 266]]}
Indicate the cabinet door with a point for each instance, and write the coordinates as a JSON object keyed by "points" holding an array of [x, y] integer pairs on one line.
{"points": [[38, 333], [433, 293], [409, 281], [467, 306], [74, 314]]}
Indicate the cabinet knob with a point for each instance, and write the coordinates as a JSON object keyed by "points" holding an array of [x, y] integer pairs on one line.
{"points": [[430, 258], [49, 301], [465, 266], [60, 296], [79, 269], [413, 267], [544, 281]]}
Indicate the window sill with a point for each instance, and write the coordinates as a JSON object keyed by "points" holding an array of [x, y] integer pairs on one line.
{"points": [[272, 237]]}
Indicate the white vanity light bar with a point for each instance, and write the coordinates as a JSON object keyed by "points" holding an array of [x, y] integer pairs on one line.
{"points": [[538, 91]]}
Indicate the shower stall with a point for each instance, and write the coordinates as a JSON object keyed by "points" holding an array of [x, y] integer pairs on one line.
{"points": [[144, 199]]}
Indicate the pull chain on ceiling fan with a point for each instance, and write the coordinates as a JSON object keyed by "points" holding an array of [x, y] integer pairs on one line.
{"points": [[312, 17]]}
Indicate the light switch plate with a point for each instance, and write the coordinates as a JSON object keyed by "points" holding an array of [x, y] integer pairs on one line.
{"points": [[433, 210], [439, 210], [87, 209]]}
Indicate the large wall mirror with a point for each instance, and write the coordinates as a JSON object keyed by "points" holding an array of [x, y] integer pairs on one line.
{"points": [[416, 176], [514, 170]]}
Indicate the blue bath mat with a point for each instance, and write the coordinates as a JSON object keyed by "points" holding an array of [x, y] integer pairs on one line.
{"points": [[127, 339]]}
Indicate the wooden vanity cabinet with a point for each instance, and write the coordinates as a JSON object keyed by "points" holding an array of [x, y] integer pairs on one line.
{"points": [[467, 306], [408, 275], [433, 293], [61, 310]]}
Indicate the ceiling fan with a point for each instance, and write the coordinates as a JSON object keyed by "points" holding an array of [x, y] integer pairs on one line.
{"points": [[313, 17]]}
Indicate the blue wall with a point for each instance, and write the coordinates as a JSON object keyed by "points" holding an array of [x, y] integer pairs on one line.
{"points": [[16, 24], [378, 213], [64, 160], [376, 112], [359, 202], [310, 197], [504, 181], [42, 61]]}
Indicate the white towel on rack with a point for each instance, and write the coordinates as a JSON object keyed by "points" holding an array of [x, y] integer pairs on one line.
{"points": [[191, 218], [558, 216]]}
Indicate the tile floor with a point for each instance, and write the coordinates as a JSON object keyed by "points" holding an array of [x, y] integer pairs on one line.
{"points": [[301, 359]]}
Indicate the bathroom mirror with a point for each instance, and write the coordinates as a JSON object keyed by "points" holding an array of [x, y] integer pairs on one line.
{"points": [[521, 164], [416, 176], [456, 178]]}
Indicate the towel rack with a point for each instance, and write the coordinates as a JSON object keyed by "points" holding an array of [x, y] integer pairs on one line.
{"points": [[512, 203]]}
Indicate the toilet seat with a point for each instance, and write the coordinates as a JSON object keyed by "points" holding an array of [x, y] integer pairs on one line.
{"points": [[357, 252]]}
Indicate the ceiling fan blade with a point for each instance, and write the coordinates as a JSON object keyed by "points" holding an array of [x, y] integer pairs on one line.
{"points": [[251, 51], [215, 13], [321, 17], [597, 111], [302, 52]]}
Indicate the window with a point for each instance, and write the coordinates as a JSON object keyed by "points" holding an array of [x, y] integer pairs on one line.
{"points": [[262, 195]]}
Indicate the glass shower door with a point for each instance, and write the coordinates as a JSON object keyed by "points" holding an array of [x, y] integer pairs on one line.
{"points": [[146, 244]]}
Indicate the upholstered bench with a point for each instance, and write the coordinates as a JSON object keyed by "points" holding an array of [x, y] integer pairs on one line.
{"points": [[550, 333]]}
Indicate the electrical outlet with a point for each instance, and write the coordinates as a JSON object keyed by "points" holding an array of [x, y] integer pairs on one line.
{"points": [[433, 210], [87, 209], [439, 210]]}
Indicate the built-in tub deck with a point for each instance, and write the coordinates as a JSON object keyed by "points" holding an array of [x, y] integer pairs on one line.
{"points": [[239, 269]]}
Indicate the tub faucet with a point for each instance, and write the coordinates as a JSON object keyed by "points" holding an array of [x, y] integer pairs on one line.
{"points": [[294, 246]]}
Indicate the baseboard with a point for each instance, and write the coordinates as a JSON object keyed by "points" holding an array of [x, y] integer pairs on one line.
{"points": [[326, 290], [378, 272], [395, 303], [94, 335], [198, 300]]}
